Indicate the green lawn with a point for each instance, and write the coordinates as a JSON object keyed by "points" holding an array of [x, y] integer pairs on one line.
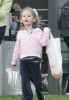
{"points": [[47, 97]]}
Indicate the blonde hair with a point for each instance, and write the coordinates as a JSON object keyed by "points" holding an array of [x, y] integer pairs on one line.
{"points": [[34, 13]]}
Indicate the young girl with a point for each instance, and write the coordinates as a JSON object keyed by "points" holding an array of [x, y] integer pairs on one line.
{"points": [[28, 46]]}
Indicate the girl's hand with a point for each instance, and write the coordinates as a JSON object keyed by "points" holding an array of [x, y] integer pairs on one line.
{"points": [[14, 65]]}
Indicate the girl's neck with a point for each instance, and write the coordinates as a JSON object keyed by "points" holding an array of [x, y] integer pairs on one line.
{"points": [[28, 27]]}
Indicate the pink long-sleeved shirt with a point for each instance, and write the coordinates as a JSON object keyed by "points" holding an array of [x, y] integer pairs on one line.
{"points": [[30, 44]]}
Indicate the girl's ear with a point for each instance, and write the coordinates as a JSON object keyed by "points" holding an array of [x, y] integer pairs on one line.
{"points": [[20, 20], [34, 20]]}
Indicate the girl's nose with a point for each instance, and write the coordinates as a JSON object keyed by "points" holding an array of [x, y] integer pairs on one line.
{"points": [[26, 17]]}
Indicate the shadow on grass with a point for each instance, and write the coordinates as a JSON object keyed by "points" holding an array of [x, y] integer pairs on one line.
{"points": [[46, 97]]}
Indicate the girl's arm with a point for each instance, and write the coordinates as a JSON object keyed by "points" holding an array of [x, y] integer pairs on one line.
{"points": [[15, 52], [44, 38]]}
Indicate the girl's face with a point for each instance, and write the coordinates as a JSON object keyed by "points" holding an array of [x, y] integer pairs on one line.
{"points": [[27, 18]]}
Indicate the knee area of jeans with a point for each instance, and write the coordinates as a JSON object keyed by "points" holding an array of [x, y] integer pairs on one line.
{"points": [[38, 87]]}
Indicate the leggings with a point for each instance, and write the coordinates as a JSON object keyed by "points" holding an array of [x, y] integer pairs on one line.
{"points": [[30, 71]]}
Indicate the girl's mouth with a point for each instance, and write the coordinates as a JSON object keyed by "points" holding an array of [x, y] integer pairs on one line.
{"points": [[26, 20]]}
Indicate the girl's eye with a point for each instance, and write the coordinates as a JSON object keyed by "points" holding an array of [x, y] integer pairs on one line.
{"points": [[23, 16], [26, 16]]}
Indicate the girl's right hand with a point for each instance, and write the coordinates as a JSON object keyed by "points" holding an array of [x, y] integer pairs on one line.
{"points": [[13, 65]]}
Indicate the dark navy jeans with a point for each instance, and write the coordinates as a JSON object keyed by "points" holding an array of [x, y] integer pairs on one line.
{"points": [[30, 71]]}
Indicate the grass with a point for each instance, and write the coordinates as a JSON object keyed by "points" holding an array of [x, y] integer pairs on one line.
{"points": [[47, 97]]}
